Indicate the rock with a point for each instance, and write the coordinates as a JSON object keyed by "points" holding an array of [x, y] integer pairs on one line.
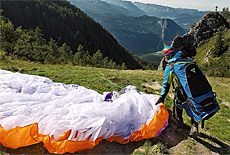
{"points": [[208, 54], [208, 25], [203, 30], [162, 64]]}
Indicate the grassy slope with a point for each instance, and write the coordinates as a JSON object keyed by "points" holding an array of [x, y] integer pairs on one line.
{"points": [[217, 128], [207, 47]]}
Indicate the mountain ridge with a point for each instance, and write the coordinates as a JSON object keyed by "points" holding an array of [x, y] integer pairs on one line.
{"points": [[139, 34], [133, 34], [160, 37], [162, 11]]}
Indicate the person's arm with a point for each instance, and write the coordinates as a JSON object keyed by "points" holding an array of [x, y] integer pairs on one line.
{"points": [[166, 84]]}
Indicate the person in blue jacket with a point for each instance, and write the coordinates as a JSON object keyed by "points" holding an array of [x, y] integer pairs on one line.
{"points": [[171, 56]]}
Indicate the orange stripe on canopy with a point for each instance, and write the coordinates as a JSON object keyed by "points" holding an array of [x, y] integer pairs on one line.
{"points": [[28, 135]]}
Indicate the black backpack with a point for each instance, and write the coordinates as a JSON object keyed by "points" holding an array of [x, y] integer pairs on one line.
{"points": [[194, 88]]}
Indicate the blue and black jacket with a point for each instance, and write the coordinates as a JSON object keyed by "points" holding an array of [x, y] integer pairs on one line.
{"points": [[169, 74]]}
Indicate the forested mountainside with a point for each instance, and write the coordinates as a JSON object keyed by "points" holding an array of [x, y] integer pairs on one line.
{"points": [[62, 22], [141, 35]]}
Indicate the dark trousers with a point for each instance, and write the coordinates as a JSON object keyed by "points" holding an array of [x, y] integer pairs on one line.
{"points": [[177, 113]]}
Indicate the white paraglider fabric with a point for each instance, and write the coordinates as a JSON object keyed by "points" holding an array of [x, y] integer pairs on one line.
{"points": [[57, 108]]}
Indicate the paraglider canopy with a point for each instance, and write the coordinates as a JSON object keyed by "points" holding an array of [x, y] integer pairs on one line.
{"points": [[69, 118]]}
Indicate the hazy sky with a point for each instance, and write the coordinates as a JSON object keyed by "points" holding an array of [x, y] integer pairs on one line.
{"points": [[201, 5]]}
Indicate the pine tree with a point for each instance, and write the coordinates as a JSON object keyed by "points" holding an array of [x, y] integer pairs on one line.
{"points": [[97, 59], [38, 37], [9, 36], [123, 66], [114, 65], [24, 46], [105, 62], [226, 13], [53, 53], [77, 58], [86, 59], [80, 56], [219, 45], [66, 53], [110, 63]]}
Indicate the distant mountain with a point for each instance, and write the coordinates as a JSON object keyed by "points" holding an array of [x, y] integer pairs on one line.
{"points": [[163, 11], [183, 17], [127, 5], [65, 23], [139, 34], [185, 20], [100, 6], [190, 16]]}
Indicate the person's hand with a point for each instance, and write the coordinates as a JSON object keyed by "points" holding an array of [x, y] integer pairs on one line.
{"points": [[159, 101]]}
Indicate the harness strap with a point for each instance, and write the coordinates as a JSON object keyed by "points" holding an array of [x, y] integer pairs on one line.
{"points": [[202, 124], [173, 84]]}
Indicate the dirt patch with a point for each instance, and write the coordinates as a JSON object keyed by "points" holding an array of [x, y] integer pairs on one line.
{"points": [[226, 103], [116, 80], [223, 84], [156, 86], [153, 85]]}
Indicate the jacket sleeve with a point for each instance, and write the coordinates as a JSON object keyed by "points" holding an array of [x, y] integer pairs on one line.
{"points": [[167, 82]]}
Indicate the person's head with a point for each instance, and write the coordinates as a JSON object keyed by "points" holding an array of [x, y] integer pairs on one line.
{"points": [[168, 52]]}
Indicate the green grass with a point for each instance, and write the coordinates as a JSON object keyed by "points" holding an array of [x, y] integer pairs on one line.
{"points": [[212, 65], [88, 77], [149, 149], [222, 87], [218, 126]]}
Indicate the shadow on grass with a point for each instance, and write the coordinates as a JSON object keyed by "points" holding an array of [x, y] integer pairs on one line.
{"points": [[222, 149]]}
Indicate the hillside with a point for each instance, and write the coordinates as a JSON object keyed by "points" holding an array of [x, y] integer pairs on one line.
{"points": [[207, 42], [66, 23], [214, 55], [108, 6], [127, 5], [207, 27], [152, 57], [139, 9], [141, 35], [98, 5], [122, 19]]}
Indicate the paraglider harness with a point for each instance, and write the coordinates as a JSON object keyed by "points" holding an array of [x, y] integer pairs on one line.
{"points": [[193, 90]]}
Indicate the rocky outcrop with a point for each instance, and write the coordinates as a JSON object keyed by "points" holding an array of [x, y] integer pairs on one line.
{"points": [[208, 25], [206, 28]]}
